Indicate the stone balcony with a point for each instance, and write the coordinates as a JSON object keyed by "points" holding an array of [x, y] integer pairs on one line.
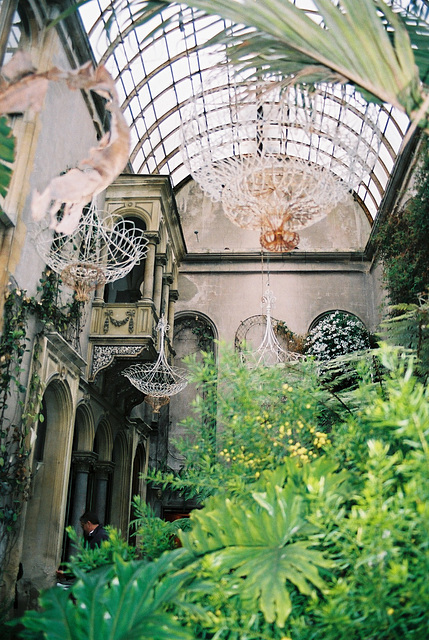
{"points": [[122, 333]]}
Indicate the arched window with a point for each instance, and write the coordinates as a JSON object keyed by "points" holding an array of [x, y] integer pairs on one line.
{"points": [[128, 288], [336, 333]]}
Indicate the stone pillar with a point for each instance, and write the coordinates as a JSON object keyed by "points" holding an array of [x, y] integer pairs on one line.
{"points": [[174, 296], [167, 281], [102, 470], [149, 270], [160, 263], [82, 462]]}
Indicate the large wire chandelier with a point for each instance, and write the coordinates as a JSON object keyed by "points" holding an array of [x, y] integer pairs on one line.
{"points": [[278, 159], [157, 381], [101, 249]]}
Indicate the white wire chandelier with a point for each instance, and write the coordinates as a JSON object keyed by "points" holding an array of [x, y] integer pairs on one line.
{"points": [[270, 352], [158, 381], [278, 160], [101, 249]]}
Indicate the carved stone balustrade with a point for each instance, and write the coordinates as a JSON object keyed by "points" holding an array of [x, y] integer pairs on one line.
{"points": [[126, 330]]}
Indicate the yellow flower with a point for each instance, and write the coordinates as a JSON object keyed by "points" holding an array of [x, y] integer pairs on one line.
{"points": [[390, 611]]}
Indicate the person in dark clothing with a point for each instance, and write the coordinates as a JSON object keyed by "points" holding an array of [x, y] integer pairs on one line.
{"points": [[93, 532]]}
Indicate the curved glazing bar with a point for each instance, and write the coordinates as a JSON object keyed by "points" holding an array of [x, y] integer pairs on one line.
{"points": [[157, 75]]}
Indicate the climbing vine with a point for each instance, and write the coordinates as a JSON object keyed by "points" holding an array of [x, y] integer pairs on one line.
{"points": [[402, 242], [18, 417]]}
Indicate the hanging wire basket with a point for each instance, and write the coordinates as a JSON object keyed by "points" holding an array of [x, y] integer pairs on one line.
{"points": [[100, 250], [158, 380], [270, 352]]}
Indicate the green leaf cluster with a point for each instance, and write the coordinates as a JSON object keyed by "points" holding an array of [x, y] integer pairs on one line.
{"points": [[246, 420], [7, 155], [153, 535], [402, 242], [121, 601]]}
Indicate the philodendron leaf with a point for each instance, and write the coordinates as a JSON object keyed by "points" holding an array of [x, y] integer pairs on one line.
{"points": [[123, 601], [258, 542]]}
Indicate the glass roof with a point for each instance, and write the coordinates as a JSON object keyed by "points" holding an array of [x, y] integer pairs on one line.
{"points": [[156, 76]]}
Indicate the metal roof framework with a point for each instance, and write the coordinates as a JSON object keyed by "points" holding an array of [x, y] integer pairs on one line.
{"points": [[156, 74]]}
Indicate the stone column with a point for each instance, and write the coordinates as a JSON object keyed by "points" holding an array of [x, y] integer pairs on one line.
{"points": [[82, 462], [160, 263], [149, 270], [174, 296], [102, 471], [167, 281]]}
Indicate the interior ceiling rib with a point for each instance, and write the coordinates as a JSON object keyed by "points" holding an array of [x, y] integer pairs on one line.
{"points": [[156, 76]]}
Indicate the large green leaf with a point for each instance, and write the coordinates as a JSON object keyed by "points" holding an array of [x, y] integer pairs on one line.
{"points": [[124, 601], [258, 542], [7, 155]]}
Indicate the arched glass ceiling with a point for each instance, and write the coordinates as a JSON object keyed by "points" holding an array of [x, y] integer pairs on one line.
{"points": [[156, 76]]}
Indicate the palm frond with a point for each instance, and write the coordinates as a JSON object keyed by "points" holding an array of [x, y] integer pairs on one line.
{"points": [[365, 43]]}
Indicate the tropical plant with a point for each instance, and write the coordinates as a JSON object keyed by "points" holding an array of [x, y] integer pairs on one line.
{"points": [[86, 559], [263, 414], [401, 240], [121, 601], [260, 545], [153, 535], [380, 48], [308, 552]]}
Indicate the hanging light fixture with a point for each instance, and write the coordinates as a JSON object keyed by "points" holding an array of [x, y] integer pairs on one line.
{"points": [[100, 250], [270, 352], [278, 160], [157, 381]]}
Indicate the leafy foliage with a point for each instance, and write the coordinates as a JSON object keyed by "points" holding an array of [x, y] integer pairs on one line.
{"points": [[334, 547], [402, 242], [153, 535], [263, 415], [122, 601], [408, 326], [259, 543], [7, 155], [86, 559]]}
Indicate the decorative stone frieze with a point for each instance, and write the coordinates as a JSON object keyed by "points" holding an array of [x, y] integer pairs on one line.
{"points": [[104, 355]]}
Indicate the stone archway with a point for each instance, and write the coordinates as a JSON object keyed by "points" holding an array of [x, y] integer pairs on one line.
{"points": [[46, 509], [82, 462]]}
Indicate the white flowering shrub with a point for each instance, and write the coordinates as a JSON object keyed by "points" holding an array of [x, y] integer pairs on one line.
{"points": [[335, 335]]}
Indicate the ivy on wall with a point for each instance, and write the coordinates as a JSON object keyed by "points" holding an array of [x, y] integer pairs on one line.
{"points": [[402, 242], [19, 404]]}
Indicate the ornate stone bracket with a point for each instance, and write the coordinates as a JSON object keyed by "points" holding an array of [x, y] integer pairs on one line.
{"points": [[103, 356], [119, 323]]}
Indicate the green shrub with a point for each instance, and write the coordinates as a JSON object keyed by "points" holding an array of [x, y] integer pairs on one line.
{"points": [[153, 535]]}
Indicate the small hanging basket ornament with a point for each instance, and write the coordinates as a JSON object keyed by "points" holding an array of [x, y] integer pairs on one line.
{"points": [[101, 249], [158, 381], [156, 402]]}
